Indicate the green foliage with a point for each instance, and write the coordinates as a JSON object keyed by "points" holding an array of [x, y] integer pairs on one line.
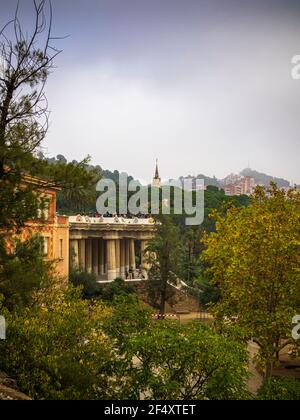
{"points": [[217, 200], [212, 188], [92, 289], [188, 248], [114, 176], [164, 360], [191, 251], [88, 282], [164, 255], [208, 292], [129, 319], [27, 60], [22, 271], [190, 362], [63, 347], [108, 292], [277, 389], [253, 258], [78, 182], [56, 349], [16, 205], [191, 236], [26, 63]]}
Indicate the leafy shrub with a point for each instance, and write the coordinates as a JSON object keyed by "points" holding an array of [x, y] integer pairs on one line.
{"points": [[57, 349], [280, 389], [87, 281], [118, 287], [168, 361], [23, 271], [64, 347], [92, 289]]}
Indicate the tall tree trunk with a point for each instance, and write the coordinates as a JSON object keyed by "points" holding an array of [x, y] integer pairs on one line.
{"points": [[277, 351], [4, 110], [163, 301]]}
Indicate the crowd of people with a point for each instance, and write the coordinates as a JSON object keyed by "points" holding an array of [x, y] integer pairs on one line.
{"points": [[118, 217], [133, 274], [124, 216]]}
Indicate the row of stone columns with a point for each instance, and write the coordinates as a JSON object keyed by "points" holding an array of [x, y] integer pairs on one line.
{"points": [[106, 258]]}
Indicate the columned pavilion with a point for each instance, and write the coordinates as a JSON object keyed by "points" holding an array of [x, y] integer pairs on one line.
{"points": [[109, 247]]}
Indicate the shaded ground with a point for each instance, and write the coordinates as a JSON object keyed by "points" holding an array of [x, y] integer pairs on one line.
{"points": [[194, 316], [289, 367], [185, 317], [9, 391]]}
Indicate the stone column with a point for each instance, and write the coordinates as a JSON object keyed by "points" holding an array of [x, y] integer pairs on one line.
{"points": [[111, 259], [122, 258], [127, 255], [95, 257], [89, 256], [105, 257], [118, 257], [82, 254], [101, 257], [74, 253], [132, 263]]}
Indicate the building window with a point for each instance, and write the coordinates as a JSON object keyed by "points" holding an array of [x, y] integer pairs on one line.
{"points": [[61, 249], [43, 211], [39, 213], [46, 210]]}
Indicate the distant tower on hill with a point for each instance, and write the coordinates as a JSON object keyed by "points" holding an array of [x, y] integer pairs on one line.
{"points": [[156, 180]]}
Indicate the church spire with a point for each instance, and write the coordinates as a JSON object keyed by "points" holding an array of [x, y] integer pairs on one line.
{"points": [[156, 171], [156, 180]]}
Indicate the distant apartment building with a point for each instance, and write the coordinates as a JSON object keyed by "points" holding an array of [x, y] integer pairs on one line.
{"points": [[233, 189], [53, 229], [232, 179], [239, 185]]}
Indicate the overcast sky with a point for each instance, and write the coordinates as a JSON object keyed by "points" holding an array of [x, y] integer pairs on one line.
{"points": [[205, 86]]}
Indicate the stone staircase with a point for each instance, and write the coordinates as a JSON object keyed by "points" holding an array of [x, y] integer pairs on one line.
{"points": [[182, 302]]}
